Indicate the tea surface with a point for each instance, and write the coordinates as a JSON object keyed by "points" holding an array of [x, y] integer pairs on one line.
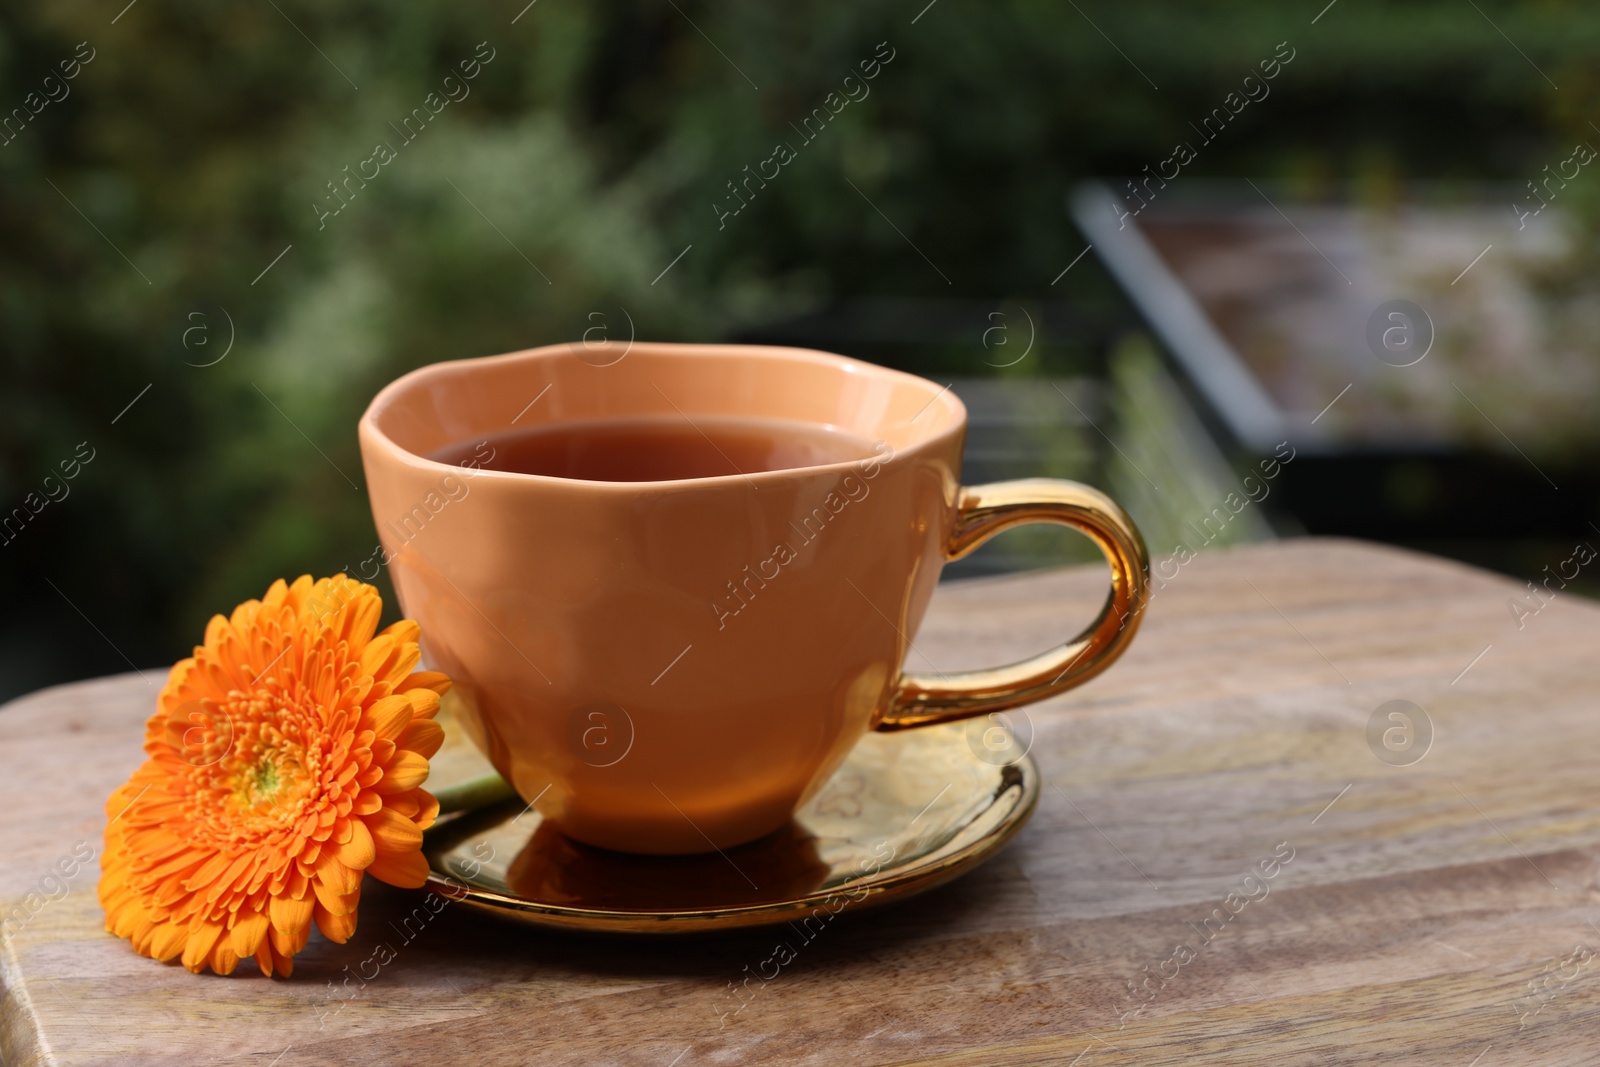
{"points": [[658, 448]]}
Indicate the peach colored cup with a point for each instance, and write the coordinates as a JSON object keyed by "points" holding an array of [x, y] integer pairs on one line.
{"points": [[676, 666]]}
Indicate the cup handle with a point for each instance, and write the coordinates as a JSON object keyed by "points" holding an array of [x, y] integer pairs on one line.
{"points": [[983, 511]]}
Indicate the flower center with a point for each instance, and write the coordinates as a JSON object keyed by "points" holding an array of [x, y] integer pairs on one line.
{"points": [[264, 781], [272, 784]]}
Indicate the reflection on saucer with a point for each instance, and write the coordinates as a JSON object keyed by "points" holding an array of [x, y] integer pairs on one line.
{"points": [[907, 811], [553, 868]]}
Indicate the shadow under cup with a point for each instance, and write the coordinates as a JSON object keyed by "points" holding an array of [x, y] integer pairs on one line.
{"points": [[665, 666]]}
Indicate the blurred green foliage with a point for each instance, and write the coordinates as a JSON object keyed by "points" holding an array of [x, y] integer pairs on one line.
{"points": [[591, 150]]}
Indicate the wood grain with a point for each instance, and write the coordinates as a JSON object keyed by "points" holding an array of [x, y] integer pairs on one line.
{"points": [[1420, 903]]}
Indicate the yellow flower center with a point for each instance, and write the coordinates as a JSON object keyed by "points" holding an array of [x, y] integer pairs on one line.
{"points": [[262, 783], [270, 781]]}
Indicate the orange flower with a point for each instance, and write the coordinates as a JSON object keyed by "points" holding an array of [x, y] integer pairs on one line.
{"points": [[285, 759]]}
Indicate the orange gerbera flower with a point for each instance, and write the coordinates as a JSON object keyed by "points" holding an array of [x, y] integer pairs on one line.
{"points": [[285, 759]]}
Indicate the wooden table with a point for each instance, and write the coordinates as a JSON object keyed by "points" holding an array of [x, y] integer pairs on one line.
{"points": [[1438, 913]]}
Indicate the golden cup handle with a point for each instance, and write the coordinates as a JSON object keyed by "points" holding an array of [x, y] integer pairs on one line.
{"points": [[983, 511]]}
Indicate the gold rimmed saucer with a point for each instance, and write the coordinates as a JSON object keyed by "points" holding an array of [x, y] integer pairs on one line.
{"points": [[906, 812]]}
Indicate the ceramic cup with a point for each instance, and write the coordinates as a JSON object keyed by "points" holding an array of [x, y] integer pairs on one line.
{"points": [[676, 666]]}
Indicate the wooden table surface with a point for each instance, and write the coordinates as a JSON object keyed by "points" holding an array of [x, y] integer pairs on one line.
{"points": [[1442, 912]]}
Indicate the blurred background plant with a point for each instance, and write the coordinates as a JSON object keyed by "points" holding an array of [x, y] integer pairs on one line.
{"points": [[590, 152]]}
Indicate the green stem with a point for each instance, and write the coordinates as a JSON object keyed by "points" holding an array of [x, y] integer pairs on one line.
{"points": [[478, 792]]}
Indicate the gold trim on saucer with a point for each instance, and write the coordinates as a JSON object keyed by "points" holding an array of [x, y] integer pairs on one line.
{"points": [[906, 812]]}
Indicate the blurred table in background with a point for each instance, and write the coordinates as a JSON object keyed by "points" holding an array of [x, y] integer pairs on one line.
{"points": [[1434, 365]]}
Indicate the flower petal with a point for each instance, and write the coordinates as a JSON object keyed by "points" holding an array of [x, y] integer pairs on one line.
{"points": [[404, 631], [223, 958], [405, 770], [429, 812], [406, 804], [286, 943], [208, 872], [389, 717], [358, 852], [336, 876], [197, 950], [408, 870], [247, 933], [336, 928], [424, 702], [168, 940], [289, 913], [438, 682], [393, 833], [422, 736]]}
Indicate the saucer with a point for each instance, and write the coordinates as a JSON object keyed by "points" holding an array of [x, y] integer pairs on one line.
{"points": [[907, 811]]}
